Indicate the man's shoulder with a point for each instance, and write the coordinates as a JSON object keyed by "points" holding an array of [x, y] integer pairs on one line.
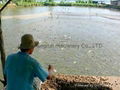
{"points": [[33, 60]]}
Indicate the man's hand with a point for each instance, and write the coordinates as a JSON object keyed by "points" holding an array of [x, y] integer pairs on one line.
{"points": [[51, 71]]}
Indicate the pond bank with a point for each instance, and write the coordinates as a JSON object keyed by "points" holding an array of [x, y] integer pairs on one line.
{"points": [[78, 82], [30, 4]]}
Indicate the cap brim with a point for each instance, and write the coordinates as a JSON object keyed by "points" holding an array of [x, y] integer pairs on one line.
{"points": [[36, 43]]}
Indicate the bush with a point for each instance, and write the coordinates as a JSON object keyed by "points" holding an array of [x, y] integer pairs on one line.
{"points": [[50, 4], [65, 4]]}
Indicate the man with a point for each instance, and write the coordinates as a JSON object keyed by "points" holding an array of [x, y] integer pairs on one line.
{"points": [[21, 68]]}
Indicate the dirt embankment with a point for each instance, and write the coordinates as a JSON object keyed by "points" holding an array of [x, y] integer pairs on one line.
{"points": [[11, 5], [74, 82]]}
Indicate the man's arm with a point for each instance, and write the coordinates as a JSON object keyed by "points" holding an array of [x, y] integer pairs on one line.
{"points": [[40, 72]]}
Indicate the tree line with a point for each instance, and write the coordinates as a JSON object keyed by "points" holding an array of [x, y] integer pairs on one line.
{"points": [[14, 1]]}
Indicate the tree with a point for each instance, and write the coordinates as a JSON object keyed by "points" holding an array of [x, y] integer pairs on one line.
{"points": [[2, 50]]}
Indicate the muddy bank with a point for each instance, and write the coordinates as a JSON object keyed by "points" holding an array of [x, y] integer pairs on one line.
{"points": [[74, 82]]}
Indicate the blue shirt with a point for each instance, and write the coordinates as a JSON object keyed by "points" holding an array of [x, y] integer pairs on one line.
{"points": [[20, 70]]}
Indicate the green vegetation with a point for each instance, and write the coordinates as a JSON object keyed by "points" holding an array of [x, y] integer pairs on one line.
{"points": [[26, 4], [52, 3], [56, 4], [1, 5], [88, 3], [62, 3], [15, 1]]}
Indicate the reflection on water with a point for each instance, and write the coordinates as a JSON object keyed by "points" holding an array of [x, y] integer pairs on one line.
{"points": [[31, 16], [64, 28]]}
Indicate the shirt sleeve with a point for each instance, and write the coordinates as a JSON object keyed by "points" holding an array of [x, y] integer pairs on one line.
{"points": [[40, 72]]}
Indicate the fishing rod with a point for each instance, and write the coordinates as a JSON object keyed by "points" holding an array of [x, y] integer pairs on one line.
{"points": [[2, 50]]}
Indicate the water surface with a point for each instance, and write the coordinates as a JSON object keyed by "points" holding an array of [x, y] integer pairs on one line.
{"points": [[76, 40]]}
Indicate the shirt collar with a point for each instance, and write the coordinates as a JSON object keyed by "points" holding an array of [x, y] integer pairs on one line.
{"points": [[23, 53]]}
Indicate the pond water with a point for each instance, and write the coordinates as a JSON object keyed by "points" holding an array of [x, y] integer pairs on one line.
{"points": [[76, 40]]}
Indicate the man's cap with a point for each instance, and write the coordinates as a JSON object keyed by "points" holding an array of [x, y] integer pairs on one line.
{"points": [[27, 42]]}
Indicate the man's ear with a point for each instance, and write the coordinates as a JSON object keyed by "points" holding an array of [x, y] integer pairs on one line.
{"points": [[31, 50]]}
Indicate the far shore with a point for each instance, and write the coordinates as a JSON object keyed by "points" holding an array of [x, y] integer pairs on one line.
{"points": [[31, 4]]}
